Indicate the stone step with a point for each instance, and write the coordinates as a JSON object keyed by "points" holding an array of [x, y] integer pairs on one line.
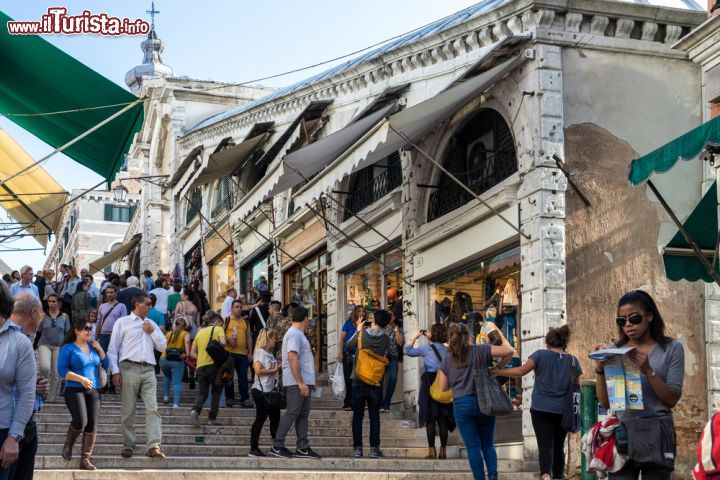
{"points": [[224, 431], [140, 461], [226, 451], [211, 440], [189, 399], [252, 475], [184, 419], [168, 410]]}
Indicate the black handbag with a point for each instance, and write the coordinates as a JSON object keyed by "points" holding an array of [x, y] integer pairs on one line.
{"points": [[571, 421], [215, 350], [274, 398], [173, 354], [491, 398]]}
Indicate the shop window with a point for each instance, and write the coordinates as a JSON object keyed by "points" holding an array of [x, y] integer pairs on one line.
{"points": [[193, 206], [481, 155], [224, 196], [222, 278], [307, 286], [256, 277], [485, 297], [193, 264], [372, 183], [375, 286]]}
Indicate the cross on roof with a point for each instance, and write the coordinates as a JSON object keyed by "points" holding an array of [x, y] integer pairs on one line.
{"points": [[152, 13]]}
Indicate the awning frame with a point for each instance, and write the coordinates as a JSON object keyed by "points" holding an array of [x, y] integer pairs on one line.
{"points": [[98, 264], [688, 238]]}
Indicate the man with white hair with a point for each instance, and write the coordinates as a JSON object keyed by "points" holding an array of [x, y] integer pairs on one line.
{"points": [[126, 295], [25, 319], [25, 284], [132, 363]]}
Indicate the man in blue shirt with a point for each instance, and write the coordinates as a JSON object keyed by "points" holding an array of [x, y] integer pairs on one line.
{"points": [[25, 284]]}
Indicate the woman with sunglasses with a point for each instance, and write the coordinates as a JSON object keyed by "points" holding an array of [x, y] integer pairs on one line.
{"points": [[49, 340], [78, 365], [661, 361], [172, 361]]}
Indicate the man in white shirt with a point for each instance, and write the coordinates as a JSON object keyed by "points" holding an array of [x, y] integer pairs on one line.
{"points": [[227, 303], [161, 294], [132, 363]]}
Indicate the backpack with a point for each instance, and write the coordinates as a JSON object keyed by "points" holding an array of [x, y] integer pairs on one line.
{"points": [[708, 451], [369, 367], [215, 350], [461, 305]]}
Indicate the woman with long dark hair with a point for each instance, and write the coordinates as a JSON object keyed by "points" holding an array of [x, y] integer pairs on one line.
{"points": [[456, 373], [555, 372], [78, 364], [432, 412], [661, 361]]}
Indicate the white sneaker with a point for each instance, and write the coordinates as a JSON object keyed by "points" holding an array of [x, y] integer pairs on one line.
{"points": [[175, 405]]}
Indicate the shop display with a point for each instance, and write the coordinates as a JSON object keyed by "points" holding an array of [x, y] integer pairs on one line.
{"points": [[256, 277], [193, 265], [375, 285], [222, 278]]}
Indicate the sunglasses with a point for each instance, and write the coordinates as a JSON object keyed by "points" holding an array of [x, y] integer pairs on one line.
{"points": [[633, 318], [87, 328]]}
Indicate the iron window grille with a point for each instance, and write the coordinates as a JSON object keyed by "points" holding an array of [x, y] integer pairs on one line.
{"points": [[481, 156], [372, 183]]}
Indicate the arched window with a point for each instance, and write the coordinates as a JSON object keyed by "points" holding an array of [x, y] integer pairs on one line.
{"points": [[193, 207], [481, 155], [372, 183]]}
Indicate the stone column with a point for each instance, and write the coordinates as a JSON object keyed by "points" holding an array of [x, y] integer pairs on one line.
{"points": [[542, 216]]}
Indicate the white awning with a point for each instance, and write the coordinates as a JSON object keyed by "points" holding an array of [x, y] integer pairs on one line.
{"points": [[303, 164], [415, 122], [115, 255], [225, 162]]}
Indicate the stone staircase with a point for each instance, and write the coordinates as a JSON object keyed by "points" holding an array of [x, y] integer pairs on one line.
{"points": [[218, 451]]}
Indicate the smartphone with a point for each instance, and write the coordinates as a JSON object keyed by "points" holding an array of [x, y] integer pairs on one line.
{"points": [[423, 332], [367, 323]]}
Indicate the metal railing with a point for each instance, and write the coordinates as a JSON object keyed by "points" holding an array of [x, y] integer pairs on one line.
{"points": [[366, 193], [450, 195]]}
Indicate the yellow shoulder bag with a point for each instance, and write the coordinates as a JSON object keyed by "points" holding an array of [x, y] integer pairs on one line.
{"points": [[369, 367]]}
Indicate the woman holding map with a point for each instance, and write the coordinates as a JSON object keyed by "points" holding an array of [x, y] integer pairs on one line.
{"points": [[661, 363]]}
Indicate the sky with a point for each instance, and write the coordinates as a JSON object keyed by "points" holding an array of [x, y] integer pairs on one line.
{"points": [[222, 40]]}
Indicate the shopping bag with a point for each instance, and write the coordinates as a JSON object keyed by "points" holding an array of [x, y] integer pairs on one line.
{"points": [[338, 381]]}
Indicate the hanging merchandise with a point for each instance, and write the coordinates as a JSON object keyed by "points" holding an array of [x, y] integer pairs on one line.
{"points": [[461, 305]]}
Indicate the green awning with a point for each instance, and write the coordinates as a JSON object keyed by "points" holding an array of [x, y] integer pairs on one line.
{"points": [[687, 146], [702, 226], [37, 77]]}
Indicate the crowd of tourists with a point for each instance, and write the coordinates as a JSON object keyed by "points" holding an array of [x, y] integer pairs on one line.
{"points": [[90, 340]]}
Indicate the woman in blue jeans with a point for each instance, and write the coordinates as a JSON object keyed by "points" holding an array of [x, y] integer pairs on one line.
{"points": [[178, 341], [456, 373]]}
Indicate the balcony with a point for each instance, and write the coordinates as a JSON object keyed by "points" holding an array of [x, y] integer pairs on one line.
{"points": [[369, 188], [449, 195]]}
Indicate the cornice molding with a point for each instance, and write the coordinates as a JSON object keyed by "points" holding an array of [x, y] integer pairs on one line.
{"points": [[637, 25]]}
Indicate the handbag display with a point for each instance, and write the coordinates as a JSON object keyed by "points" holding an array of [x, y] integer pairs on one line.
{"points": [[492, 400], [436, 393], [369, 367], [571, 421], [215, 350]]}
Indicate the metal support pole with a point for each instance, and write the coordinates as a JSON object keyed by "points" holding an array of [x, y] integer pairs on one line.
{"points": [[74, 140], [374, 257], [283, 251], [25, 227], [698, 252], [456, 180]]}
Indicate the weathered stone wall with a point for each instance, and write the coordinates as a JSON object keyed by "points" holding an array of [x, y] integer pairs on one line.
{"points": [[611, 248]]}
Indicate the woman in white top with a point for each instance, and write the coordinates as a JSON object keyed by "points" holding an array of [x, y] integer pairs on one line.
{"points": [[266, 368]]}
